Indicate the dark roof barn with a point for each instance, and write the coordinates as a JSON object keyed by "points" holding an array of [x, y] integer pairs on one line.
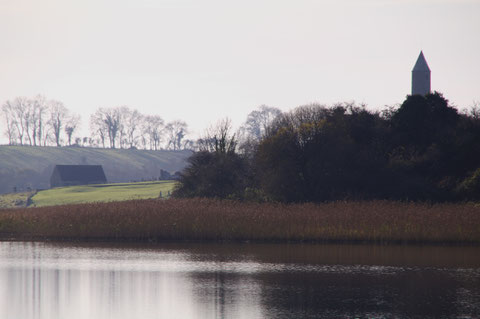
{"points": [[69, 175]]}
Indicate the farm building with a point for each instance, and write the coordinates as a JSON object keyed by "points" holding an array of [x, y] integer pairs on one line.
{"points": [[69, 175]]}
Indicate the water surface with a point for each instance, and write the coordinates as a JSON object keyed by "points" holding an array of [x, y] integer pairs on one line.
{"points": [[58, 280]]}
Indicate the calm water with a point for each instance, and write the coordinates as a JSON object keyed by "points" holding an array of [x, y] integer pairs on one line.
{"points": [[48, 281]]}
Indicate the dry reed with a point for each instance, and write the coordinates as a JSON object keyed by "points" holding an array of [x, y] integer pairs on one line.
{"points": [[207, 219]]}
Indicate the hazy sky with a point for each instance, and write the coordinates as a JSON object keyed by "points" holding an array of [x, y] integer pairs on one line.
{"points": [[202, 60]]}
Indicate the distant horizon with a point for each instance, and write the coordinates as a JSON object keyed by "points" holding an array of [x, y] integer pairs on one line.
{"points": [[201, 62]]}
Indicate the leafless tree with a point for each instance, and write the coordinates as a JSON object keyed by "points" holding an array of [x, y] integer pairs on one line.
{"points": [[33, 118], [112, 120], [255, 127], [58, 117], [33, 121], [71, 125], [258, 121], [98, 128], [152, 131], [175, 132], [105, 123], [39, 120], [27, 120], [219, 138], [10, 122], [15, 112], [130, 128], [473, 111]]}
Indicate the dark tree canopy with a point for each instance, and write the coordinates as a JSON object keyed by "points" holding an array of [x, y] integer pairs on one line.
{"points": [[217, 170], [422, 150], [424, 120], [211, 174], [314, 153]]}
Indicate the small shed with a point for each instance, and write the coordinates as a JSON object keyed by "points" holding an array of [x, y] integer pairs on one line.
{"points": [[70, 175]]}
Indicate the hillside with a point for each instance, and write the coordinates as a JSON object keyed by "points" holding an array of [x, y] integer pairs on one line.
{"points": [[26, 167]]}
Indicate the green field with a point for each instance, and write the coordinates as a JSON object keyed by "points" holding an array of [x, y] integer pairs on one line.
{"points": [[102, 193]]}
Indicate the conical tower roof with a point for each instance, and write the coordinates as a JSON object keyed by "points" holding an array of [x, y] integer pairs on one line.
{"points": [[421, 64]]}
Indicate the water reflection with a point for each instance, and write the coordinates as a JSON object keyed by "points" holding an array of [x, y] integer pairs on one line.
{"points": [[42, 280]]}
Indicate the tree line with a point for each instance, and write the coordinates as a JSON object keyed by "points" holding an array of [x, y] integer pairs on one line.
{"points": [[424, 149], [39, 121]]}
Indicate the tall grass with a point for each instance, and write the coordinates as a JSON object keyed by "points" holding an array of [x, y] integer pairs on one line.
{"points": [[207, 219]]}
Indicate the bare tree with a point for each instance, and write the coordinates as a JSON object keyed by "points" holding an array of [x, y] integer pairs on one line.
{"points": [[219, 138], [258, 121], [10, 121], [39, 120], [105, 123], [175, 132], [58, 117], [122, 130], [27, 120], [131, 121], [71, 125], [112, 120], [255, 127], [152, 130], [98, 127], [15, 112], [473, 111], [33, 115], [34, 120]]}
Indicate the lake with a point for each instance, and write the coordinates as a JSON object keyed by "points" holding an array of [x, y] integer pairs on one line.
{"points": [[202, 280]]}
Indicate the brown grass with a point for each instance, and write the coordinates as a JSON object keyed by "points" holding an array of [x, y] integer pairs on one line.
{"points": [[206, 219]]}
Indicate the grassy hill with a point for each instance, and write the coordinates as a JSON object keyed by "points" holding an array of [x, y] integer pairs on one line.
{"points": [[102, 193], [28, 167]]}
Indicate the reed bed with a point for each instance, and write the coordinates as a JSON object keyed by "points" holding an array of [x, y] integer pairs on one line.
{"points": [[217, 220]]}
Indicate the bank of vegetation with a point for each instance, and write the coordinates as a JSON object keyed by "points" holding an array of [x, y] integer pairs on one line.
{"points": [[423, 150], [222, 220]]}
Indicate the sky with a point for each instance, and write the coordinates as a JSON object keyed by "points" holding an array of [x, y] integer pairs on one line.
{"points": [[204, 60]]}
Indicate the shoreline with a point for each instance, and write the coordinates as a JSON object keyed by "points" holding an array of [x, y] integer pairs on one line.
{"points": [[218, 221]]}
